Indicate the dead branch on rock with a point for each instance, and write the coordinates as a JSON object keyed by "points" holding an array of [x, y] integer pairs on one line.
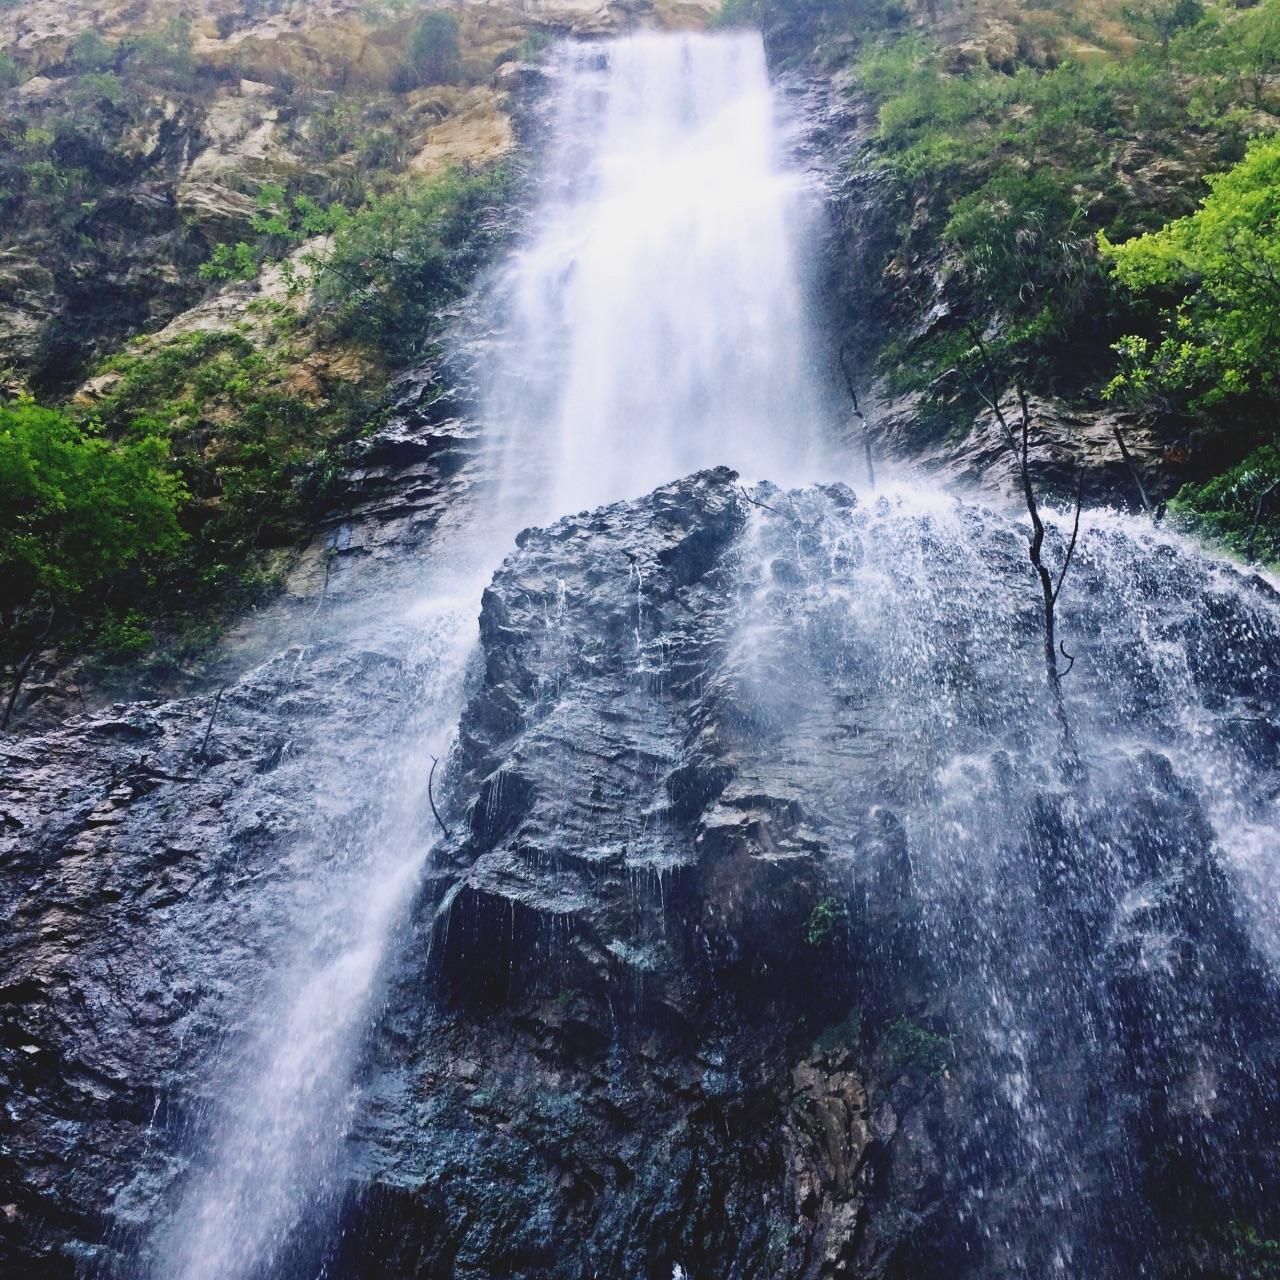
{"points": [[208, 729], [857, 413], [1133, 471], [431, 777], [1019, 445], [764, 505]]}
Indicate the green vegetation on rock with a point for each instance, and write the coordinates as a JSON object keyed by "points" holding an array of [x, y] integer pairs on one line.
{"points": [[1219, 338], [828, 919], [1045, 171], [82, 515]]}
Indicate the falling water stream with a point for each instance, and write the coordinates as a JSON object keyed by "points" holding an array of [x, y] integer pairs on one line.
{"points": [[654, 321]]}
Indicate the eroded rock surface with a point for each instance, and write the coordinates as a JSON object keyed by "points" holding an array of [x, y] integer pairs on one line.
{"points": [[770, 939]]}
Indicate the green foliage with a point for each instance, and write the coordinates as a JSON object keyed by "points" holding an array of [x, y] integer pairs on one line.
{"points": [[1235, 53], [1256, 1256], [797, 26], [119, 637], [230, 262], [930, 120], [907, 1046], [1221, 269], [828, 918], [1013, 171], [1239, 509], [77, 508], [1161, 20], [165, 53], [1024, 249], [281, 223], [289, 221], [433, 53], [90, 52], [98, 88], [395, 262], [250, 453], [10, 72], [845, 1034]]}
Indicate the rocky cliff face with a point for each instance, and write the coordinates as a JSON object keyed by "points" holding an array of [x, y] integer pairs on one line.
{"points": [[124, 170], [768, 939]]}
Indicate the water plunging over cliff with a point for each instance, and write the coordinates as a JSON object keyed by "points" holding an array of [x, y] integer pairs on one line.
{"points": [[655, 324], [768, 938], [657, 316]]}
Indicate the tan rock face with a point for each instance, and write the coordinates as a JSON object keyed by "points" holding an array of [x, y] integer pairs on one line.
{"points": [[339, 43], [476, 132]]}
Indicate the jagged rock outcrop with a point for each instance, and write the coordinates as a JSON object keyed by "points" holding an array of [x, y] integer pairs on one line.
{"points": [[769, 939], [756, 958]]}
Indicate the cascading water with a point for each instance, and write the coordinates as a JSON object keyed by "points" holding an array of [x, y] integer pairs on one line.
{"points": [[654, 324], [656, 319], [1101, 953]]}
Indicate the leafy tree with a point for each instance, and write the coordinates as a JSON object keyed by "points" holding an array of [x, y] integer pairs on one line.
{"points": [[433, 56], [1161, 20], [1219, 269], [1236, 52], [76, 509]]}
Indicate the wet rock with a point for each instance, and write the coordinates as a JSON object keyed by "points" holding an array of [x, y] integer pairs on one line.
{"points": [[769, 940]]}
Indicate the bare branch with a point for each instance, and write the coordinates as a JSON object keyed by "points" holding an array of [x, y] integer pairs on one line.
{"points": [[208, 729], [1070, 657], [1133, 471], [431, 777], [857, 413], [756, 503], [1075, 534]]}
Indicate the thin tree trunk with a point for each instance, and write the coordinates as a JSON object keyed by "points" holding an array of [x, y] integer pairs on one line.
{"points": [[857, 413], [1133, 471], [23, 669]]}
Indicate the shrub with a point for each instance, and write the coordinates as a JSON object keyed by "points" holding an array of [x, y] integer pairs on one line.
{"points": [[828, 917], [77, 508], [1241, 508], [90, 52], [10, 73], [1221, 266], [433, 55], [166, 51], [403, 256]]}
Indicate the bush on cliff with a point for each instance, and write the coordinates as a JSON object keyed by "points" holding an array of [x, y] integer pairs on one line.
{"points": [[403, 256], [1218, 271], [79, 512]]}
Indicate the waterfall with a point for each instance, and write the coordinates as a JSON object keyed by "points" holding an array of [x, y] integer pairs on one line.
{"points": [[656, 317], [884, 685], [653, 322]]}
